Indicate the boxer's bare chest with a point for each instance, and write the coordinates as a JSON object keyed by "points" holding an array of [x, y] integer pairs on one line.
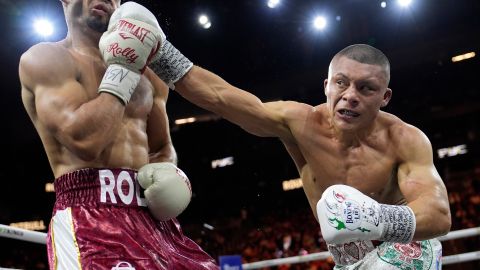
{"points": [[369, 170], [369, 165]]}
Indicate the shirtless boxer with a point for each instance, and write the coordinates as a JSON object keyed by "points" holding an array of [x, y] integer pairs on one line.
{"points": [[97, 132], [368, 175]]}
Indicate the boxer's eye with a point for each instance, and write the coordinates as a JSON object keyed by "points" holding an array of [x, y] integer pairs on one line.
{"points": [[340, 83], [366, 88]]}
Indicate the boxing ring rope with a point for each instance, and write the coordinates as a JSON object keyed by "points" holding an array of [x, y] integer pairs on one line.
{"points": [[460, 234], [41, 238], [451, 259], [22, 234]]}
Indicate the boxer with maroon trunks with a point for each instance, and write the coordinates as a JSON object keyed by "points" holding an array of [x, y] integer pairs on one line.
{"points": [[100, 216], [100, 114]]}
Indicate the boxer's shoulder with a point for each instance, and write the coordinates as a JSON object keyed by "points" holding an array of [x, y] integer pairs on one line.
{"points": [[294, 111], [289, 115], [300, 115], [44, 62], [46, 51], [403, 135], [396, 132]]}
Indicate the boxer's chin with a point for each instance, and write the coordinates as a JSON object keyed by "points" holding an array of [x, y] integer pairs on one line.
{"points": [[97, 24]]}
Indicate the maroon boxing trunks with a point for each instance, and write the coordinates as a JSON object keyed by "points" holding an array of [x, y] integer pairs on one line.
{"points": [[100, 221]]}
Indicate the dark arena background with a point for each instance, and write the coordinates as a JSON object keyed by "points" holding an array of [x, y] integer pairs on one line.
{"points": [[246, 200]]}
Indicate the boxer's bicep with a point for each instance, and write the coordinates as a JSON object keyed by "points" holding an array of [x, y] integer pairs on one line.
{"points": [[422, 186], [56, 105], [417, 174], [263, 119], [254, 116], [420, 183]]}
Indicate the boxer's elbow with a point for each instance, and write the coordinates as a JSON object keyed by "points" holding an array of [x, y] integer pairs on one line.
{"points": [[433, 218], [88, 155], [441, 214], [85, 150], [440, 220], [83, 141], [443, 220]]}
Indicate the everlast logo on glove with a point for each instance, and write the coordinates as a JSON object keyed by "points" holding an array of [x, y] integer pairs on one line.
{"points": [[133, 29]]}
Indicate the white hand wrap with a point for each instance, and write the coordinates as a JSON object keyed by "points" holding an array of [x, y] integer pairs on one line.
{"points": [[120, 82], [347, 215], [167, 189], [170, 64], [132, 39]]}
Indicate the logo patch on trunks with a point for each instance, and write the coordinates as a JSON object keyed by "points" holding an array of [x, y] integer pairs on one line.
{"points": [[119, 189], [411, 256], [123, 266]]}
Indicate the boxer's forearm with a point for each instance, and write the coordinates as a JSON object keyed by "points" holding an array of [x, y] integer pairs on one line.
{"points": [[206, 89], [92, 126], [209, 91], [432, 215], [166, 154]]}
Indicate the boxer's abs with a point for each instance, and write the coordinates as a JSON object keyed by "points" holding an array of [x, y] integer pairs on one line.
{"points": [[128, 148]]}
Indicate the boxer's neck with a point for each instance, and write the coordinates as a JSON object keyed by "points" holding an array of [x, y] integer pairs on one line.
{"points": [[84, 41], [354, 137]]}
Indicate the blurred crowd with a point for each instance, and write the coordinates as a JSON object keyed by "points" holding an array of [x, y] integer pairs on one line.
{"points": [[280, 234]]}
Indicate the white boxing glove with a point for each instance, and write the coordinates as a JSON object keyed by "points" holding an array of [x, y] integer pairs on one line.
{"points": [[132, 39], [167, 189], [347, 215]]}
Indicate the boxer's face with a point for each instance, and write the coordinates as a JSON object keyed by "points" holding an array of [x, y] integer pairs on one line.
{"points": [[355, 92], [93, 13]]}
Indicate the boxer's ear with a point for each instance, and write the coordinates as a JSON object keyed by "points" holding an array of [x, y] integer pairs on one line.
{"points": [[386, 97]]}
